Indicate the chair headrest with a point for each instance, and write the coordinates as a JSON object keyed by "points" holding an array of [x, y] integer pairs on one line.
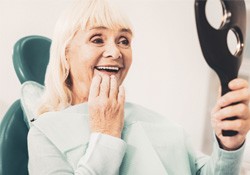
{"points": [[31, 57]]}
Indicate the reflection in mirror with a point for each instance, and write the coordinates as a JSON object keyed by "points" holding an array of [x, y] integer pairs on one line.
{"points": [[233, 42], [215, 12]]}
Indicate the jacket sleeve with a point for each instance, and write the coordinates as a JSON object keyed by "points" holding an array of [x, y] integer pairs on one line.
{"points": [[103, 155], [220, 162], [246, 157]]}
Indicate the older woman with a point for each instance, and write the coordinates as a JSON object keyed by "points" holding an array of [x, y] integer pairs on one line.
{"points": [[85, 126]]}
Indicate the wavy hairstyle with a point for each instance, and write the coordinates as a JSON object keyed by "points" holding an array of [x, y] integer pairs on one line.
{"points": [[82, 14]]}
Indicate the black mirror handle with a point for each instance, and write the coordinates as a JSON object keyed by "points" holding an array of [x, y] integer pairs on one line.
{"points": [[214, 46]]}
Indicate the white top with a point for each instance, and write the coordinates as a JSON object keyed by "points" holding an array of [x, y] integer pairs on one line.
{"points": [[61, 143]]}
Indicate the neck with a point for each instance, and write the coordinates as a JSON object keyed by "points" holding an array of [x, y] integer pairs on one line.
{"points": [[79, 95]]}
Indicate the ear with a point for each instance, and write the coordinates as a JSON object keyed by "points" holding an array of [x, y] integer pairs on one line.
{"points": [[66, 64], [67, 53]]}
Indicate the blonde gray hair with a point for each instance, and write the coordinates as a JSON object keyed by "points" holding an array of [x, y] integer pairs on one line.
{"points": [[83, 14]]}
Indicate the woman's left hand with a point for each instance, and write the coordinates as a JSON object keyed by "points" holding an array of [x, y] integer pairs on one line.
{"points": [[240, 95]]}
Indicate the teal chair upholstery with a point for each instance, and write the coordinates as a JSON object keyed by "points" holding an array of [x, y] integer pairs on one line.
{"points": [[13, 144], [30, 59]]}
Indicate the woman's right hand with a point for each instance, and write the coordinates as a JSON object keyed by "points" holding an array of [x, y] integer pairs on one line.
{"points": [[106, 105]]}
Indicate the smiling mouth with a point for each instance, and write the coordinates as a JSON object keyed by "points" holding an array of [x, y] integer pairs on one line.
{"points": [[113, 69]]}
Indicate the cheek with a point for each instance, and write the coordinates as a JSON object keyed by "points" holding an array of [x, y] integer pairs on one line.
{"points": [[128, 60], [81, 70], [83, 62]]}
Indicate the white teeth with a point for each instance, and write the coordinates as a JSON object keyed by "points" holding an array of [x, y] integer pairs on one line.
{"points": [[108, 68]]}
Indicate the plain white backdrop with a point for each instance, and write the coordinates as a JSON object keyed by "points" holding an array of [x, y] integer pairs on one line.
{"points": [[168, 75]]}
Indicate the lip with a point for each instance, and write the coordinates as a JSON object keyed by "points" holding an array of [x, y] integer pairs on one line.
{"points": [[107, 72], [109, 65]]}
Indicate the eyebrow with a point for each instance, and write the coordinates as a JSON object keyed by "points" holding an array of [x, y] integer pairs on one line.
{"points": [[126, 30], [104, 28]]}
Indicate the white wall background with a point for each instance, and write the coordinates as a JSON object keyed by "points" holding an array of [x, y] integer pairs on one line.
{"points": [[169, 74]]}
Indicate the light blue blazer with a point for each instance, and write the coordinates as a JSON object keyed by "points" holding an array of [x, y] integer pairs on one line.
{"points": [[61, 143]]}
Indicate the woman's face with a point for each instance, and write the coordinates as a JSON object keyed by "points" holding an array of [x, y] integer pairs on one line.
{"points": [[98, 50]]}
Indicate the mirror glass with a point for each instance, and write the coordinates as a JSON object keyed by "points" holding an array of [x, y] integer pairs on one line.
{"points": [[233, 42], [215, 13]]}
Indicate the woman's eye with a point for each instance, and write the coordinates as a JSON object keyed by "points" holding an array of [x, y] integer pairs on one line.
{"points": [[124, 41], [97, 41]]}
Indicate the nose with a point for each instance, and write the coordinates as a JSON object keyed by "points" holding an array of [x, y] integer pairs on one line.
{"points": [[112, 51]]}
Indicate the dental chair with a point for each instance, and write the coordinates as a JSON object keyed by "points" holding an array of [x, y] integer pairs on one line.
{"points": [[30, 59]]}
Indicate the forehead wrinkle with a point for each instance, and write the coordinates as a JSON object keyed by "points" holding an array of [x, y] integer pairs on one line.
{"points": [[98, 27], [122, 30]]}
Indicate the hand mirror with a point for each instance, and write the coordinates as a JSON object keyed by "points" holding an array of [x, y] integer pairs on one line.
{"points": [[214, 44]]}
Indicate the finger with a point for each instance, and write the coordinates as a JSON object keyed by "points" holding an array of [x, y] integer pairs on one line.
{"points": [[241, 95], [214, 122], [240, 110], [104, 87], [215, 109], [238, 83], [95, 87], [235, 125], [113, 88], [121, 95]]}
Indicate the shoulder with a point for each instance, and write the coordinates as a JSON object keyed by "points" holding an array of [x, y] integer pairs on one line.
{"points": [[66, 117], [69, 124]]}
